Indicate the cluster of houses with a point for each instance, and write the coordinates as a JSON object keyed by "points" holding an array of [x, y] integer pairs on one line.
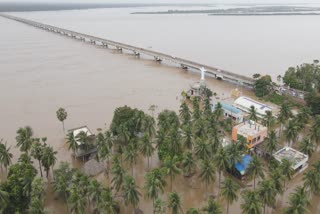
{"points": [[255, 134]]}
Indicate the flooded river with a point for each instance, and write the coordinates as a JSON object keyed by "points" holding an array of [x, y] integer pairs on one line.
{"points": [[40, 72]]}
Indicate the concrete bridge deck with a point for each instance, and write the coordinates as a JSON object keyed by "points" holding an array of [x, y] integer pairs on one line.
{"points": [[158, 56]]}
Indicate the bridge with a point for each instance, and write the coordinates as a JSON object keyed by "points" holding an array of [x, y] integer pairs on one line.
{"points": [[137, 51]]}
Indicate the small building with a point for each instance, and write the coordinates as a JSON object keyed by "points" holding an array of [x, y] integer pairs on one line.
{"points": [[255, 133], [241, 167], [298, 159], [84, 148], [245, 103], [230, 112], [196, 90]]}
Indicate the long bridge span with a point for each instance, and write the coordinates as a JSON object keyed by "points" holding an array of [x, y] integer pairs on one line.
{"points": [[137, 51]]}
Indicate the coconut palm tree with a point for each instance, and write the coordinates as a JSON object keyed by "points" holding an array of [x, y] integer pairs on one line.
{"points": [[107, 204], [170, 168], [251, 202], [37, 153], [148, 125], [253, 114], [131, 194], [267, 193], [62, 116], [174, 203], [131, 154], [312, 181], [218, 111], [187, 136], [277, 179], [284, 115], [229, 191], [212, 207], [196, 114], [221, 161], [159, 207], [304, 115], [24, 138], [103, 150], [268, 120], [255, 170], [118, 174], [154, 184], [49, 158], [234, 153], [72, 143], [292, 132], [76, 200], [307, 146], [184, 114], [94, 190], [286, 170], [271, 142], [188, 164], [202, 149], [207, 172], [4, 200], [207, 109], [315, 130], [5, 155], [146, 148], [298, 201]]}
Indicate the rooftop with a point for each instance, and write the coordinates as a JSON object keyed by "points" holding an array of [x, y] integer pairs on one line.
{"points": [[295, 157], [250, 128], [247, 102], [77, 131], [242, 166]]}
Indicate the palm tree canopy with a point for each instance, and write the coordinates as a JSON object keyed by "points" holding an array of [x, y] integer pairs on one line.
{"points": [[188, 163], [298, 201], [230, 190], [24, 138], [251, 202], [154, 183], [267, 192], [253, 114], [130, 191], [307, 146], [174, 202], [61, 114], [212, 207], [255, 168], [5, 155], [207, 171], [272, 142]]}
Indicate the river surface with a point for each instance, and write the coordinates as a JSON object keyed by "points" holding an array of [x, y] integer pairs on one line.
{"points": [[40, 72], [244, 45]]}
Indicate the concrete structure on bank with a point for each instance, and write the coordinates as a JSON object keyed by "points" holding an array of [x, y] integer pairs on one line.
{"points": [[244, 103], [230, 112], [84, 148], [298, 159], [255, 133]]}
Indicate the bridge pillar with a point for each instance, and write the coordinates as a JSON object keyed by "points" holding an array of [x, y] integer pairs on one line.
{"points": [[158, 59], [105, 45], [184, 67], [119, 49], [136, 53]]}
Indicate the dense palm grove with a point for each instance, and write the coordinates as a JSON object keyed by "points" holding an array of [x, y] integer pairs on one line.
{"points": [[187, 144]]}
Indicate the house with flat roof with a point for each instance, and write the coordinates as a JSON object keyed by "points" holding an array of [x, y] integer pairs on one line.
{"points": [[254, 132], [230, 112], [298, 159], [244, 103]]}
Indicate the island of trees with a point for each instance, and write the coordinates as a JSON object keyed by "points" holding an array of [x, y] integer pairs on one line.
{"points": [[187, 144]]}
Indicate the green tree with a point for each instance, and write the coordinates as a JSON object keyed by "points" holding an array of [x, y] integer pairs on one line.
{"points": [[284, 115], [118, 174], [251, 202], [146, 148], [4, 200], [170, 168], [95, 190], [188, 164], [5, 155], [62, 116], [159, 207], [255, 170], [221, 161], [131, 154], [277, 178], [207, 172], [234, 153], [292, 132], [212, 207], [187, 137], [37, 153], [298, 201], [107, 204], [268, 120], [24, 138], [37, 196], [315, 130], [130, 192], [286, 170], [271, 142], [154, 184], [49, 158], [218, 111], [184, 113], [253, 114], [307, 146], [76, 200], [312, 181], [267, 193], [229, 191], [262, 86], [72, 143], [196, 114], [202, 149], [174, 203]]}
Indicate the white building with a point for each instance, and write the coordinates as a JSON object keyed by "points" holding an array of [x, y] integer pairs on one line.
{"points": [[245, 103], [298, 159]]}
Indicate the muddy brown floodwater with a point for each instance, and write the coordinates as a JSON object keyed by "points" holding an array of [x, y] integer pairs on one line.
{"points": [[40, 72]]}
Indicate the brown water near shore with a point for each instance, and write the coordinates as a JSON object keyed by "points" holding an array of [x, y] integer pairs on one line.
{"points": [[40, 72]]}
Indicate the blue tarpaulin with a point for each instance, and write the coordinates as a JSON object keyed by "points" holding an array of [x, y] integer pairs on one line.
{"points": [[241, 167]]}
